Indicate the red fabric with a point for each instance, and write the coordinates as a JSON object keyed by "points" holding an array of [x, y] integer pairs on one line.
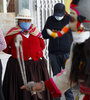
{"points": [[73, 5], [86, 97], [14, 28], [87, 21], [78, 24], [32, 47], [59, 34], [52, 88], [84, 88]]}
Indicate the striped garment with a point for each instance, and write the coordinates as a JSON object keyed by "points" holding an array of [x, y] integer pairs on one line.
{"points": [[64, 30], [84, 88], [2, 41], [33, 30]]}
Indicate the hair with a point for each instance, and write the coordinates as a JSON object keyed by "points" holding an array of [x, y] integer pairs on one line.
{"points": [[80, 67]]}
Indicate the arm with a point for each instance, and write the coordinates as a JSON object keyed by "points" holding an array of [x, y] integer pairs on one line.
{"points": [[64, 30], [2, 41], [44, 31], [9, 40], [42, 44]]}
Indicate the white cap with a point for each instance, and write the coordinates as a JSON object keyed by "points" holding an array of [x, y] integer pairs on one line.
{"points": [[24, 14], [80, 37]]}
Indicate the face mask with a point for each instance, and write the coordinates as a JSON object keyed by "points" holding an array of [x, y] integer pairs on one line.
{"points": [[59, 18], [25, 26]]}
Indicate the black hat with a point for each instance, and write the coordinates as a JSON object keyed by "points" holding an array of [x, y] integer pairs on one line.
{"points": [[59, 9]]}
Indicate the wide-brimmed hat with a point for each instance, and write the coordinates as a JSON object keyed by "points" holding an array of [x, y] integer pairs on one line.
{"points": [[24, 14], [59, 9]]}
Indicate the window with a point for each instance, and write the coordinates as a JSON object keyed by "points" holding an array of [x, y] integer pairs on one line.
{"points": [[23, 4], [11, 6], [7, 6], [1, 7]]}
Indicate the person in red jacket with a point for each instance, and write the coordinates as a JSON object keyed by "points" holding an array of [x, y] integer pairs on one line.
{"points": [[35, 64]]}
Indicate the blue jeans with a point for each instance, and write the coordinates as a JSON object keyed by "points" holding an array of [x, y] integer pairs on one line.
{"points": [[1, 94], [57, 62]]}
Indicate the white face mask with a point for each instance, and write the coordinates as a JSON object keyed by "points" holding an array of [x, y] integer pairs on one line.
{"points": [[59, 18], [80, 37]]}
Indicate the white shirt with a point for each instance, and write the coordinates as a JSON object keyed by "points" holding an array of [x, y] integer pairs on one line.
{"points": [[80, 37]]}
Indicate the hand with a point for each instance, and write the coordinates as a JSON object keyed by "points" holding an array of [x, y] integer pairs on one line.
{"points": [[55, 31], [37, 87], [34, 87], [23, 87]]}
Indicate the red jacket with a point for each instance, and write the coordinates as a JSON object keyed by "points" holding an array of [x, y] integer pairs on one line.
{"points": [[32, 46]]}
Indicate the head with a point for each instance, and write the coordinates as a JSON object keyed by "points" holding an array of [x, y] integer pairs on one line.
{"points": [[74, 13], [73, 19], [76, 20], [24, 19], [59, 11]]}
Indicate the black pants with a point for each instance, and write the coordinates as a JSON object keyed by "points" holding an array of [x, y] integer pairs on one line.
{"points": [[58, 63], [1, 94]]}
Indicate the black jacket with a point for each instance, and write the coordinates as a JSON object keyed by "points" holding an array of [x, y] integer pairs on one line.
{"points": [[61, 44]]}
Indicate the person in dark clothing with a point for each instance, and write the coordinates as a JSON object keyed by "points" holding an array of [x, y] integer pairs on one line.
{"points": [[59, 48]]}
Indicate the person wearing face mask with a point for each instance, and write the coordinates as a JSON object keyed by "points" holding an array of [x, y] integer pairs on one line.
{"points": [[35, 64], [59, 47]]}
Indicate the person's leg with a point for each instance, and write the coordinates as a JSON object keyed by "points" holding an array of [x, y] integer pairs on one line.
{"points": [[1, 94], [55, 67]]}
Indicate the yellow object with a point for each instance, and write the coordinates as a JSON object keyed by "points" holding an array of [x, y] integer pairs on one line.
{"points": [[67, 5], [66, 61], [77, 97], [79, 32], [53, 34]]}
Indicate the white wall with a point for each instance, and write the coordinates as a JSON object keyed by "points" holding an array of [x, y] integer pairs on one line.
{"points": [[7, 20]]}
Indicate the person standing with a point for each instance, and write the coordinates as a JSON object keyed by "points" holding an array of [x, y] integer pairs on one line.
{"points": [[35, 64], [2, 47], [59, 48]]}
